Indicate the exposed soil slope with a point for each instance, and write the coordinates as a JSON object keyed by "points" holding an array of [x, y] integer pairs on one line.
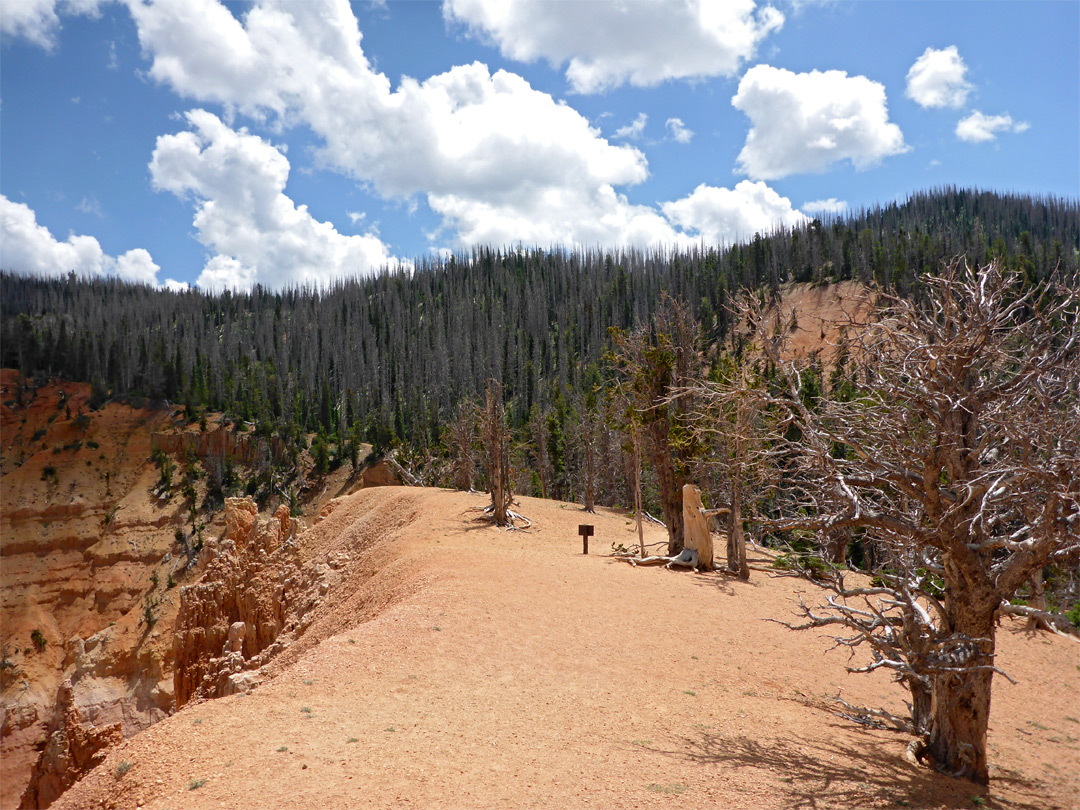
{"points": [[485, 668]]}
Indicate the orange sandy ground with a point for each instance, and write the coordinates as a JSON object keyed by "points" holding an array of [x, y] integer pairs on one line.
{"points": [[520, 673]]}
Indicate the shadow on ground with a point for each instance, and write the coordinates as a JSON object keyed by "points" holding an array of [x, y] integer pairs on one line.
{"points": [[845, 773]]}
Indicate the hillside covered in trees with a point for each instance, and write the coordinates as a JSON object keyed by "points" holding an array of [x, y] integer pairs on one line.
{"points": [[388, 359]]}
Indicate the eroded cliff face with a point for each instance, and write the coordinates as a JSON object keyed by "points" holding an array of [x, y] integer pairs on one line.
{"points": [[88, 552], [251, 589], [95, 577]]}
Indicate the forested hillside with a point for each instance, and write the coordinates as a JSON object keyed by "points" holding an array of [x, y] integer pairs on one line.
{"points": [[388, 359]]}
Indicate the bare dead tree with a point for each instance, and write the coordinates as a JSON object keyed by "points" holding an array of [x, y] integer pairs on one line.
{"points": [[586, 438], [961, 452], [495, 434], [461, 440], [651, 365], [540, 435]]}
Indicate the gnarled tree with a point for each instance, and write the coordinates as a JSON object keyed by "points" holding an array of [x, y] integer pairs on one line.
{"points": [[652, 363], [495, 434], [960, 451]]}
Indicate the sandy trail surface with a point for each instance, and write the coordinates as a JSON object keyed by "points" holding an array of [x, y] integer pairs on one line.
{"points": [[520, 673]]}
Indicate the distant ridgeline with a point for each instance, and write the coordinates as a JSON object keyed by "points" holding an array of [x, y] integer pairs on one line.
{"points": [[388, 358]]}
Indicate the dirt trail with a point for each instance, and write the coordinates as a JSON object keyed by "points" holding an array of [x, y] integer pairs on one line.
{"points": [[521, 673]]}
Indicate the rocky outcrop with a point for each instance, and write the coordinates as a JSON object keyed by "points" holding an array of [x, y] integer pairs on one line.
{"points": [[251, 590], [73, 748]]}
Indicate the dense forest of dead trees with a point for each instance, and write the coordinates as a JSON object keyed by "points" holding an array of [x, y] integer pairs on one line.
{"points": [[389, 360]]}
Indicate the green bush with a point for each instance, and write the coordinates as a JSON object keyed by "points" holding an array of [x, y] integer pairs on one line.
{"points": [[1073, 615]]}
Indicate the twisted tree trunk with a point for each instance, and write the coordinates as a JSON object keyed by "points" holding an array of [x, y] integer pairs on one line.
{"points": [[960, 702]]}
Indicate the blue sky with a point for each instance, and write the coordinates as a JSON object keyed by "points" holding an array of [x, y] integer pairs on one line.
{"points": [[275, 142]]}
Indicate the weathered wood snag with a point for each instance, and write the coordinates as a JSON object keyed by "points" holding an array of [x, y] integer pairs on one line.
{"points": [[696, 534]]}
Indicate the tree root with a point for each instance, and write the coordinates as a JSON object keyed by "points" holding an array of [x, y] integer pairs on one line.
{"points": [[511, 516], [687, 558], [874, 718]]}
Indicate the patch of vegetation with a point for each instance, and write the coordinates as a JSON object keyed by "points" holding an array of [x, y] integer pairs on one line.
{"points": [[39, 640], [122, 768], [195, 784], [283, 749], [49, 474], [352, 740], [673, 789], [1073, 615], [810, 566]]}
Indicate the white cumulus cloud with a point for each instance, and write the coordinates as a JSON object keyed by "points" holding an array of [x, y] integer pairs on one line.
{"points": [[607, 44], [39, 20], [29, 248], [678, 131], [732, 215], [828, 206], [937, 79], [979, 128], [806, 122], [237, 181], [634, 129], [494, 157]]}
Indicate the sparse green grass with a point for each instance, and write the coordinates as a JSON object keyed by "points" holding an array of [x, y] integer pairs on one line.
{"points": [[1039, 726], [1071, 719], [283, 749], [197, 721], [195, 784], [674, 788], [308, 683], [642, 743], [390, 728], [305, 709], [122, 768], [689, 692], [352, 740], [352, 640], [978, 801]]}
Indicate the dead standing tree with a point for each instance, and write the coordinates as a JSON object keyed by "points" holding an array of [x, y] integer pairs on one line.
{"points": [[651, 364], [460, 439], [732, 416], [495, 435], [961, 451]]}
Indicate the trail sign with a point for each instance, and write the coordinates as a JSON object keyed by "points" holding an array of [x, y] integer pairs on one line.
{"points": [[586, 531]]}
